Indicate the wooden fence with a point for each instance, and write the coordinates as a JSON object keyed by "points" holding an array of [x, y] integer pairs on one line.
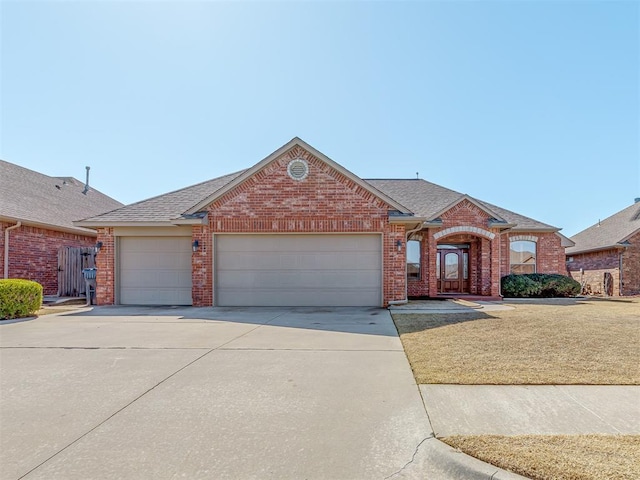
{"points": [[71, 261]]}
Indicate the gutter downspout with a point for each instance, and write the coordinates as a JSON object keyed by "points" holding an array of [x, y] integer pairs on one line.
{"points": [[406, 287], [6, 247]]}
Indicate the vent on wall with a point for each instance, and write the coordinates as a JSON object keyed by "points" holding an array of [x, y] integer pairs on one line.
{"points": [[298, 169]]}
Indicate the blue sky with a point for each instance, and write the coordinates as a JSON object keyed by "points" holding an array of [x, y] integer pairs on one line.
{"points": [[530, 105]]}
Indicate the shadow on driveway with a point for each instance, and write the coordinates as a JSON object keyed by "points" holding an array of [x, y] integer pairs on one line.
{"points": [[357, 320]]}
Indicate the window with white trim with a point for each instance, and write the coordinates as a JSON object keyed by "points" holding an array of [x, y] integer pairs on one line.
{"points": [[522, 256], [413, 259]]}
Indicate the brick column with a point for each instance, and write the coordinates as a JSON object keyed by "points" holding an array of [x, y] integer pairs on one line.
{"points": [[105, 263], [432, 252], [201, 267], [495, 266]]}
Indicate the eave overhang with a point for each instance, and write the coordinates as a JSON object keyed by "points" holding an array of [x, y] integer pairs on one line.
{"points": [[77, 229], [405, 219], [616, 246]]}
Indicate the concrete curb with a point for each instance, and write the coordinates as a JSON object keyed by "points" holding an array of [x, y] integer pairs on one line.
{"points": [[462, 466], [16, 320]]}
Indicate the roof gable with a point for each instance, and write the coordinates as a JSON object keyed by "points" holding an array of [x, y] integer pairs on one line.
{"points": [[430, 200], [611, 232], [49, 202], [460, 202], [290, 146]]}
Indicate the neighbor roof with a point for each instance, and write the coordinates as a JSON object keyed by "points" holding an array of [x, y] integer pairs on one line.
{"points": [[50, 202], [428, 200], [608, 233]]}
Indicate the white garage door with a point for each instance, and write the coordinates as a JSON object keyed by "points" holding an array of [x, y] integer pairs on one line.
{"points": [[298, 270], [155, 270]]}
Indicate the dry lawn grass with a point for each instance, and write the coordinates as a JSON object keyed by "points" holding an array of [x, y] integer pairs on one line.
{"points": [[539, 342], [545, 457]]}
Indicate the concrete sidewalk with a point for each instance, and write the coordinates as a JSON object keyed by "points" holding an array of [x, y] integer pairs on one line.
{"points": [[532, 409]]}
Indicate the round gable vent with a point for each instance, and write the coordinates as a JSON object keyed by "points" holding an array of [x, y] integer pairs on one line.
{"points": [[298, 169]]}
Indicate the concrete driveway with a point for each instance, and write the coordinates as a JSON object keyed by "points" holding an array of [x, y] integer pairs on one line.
{"points": [[163, 393]]}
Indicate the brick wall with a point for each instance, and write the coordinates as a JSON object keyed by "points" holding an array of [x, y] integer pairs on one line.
{"points": [[33, 253], [201, 261], [324, 202], [550, 256], [631, 267]]}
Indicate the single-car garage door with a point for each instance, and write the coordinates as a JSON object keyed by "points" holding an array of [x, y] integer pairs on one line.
{"points": [[298, 270], [154, 270]]}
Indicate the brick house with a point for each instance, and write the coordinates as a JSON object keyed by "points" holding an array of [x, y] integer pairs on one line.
{"points": [[606, 256], [299, 229], [36, 219]]}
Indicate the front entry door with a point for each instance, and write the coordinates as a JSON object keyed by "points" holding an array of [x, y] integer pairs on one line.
{"points": [[453, 269]]}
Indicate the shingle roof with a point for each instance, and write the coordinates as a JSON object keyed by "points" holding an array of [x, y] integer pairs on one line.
{"points": [[166, 207], [35, 198], [423, 198], [609, 232], [426, 199]]}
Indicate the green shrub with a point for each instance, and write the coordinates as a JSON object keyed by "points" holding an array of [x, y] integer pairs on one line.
{"points": [[19, 298], [539, 285]]}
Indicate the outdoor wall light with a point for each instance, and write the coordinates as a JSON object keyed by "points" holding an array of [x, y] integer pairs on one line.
{"points": [[195, 245], [98, 246], [399, 245]]}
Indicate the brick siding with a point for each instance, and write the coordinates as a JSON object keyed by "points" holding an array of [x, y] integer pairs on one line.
{"points": [[324, 202], [105, 263], [488, 257], [631, 267], [590, 268], [33, 253]]}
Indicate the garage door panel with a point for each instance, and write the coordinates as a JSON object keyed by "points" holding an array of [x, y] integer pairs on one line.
{"points": [[298, 270], [155, 296], [276, 298], [154, 270], [318, 243], [296, 260], [300, 280], [156, 278], [163, 259]]}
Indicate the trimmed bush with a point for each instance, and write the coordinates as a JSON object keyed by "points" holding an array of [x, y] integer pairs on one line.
{"points": [[19, 298], [539, 285]]}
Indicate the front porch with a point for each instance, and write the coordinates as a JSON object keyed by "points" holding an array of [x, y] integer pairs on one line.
{"points": [[454, 264]]}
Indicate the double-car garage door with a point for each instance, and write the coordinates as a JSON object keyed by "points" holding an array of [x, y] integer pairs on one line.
{"points": [[298, 270], [256, 270]]}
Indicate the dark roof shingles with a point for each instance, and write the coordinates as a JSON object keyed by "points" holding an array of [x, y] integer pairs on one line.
{"points": [[423, 198], [166, 207], [609, 232], [31, 196], [426, 199]]}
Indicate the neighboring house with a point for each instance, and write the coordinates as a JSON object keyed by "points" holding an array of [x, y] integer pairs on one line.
{"points": [[606, 256], [36, 219], [297, 229]]}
